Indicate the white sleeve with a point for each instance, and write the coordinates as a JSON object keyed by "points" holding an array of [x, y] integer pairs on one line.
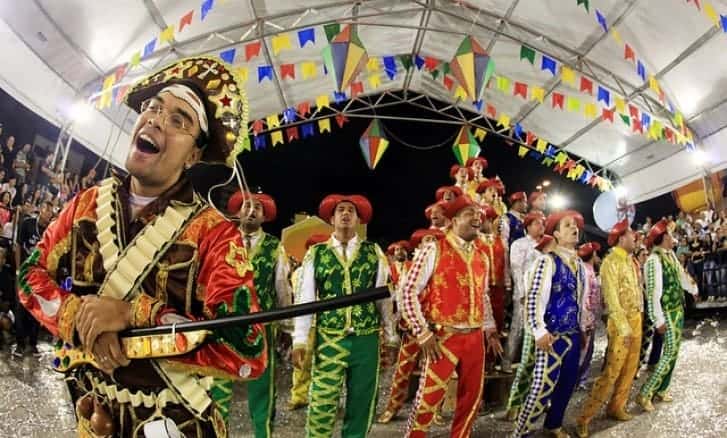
{"points": [[518, 255], [416, 280], [282, 272], [307, 293], [654, 289], [539, 295], [385, 307]]}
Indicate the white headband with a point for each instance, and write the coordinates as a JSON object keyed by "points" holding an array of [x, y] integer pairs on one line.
{"points": [[186, 94]]}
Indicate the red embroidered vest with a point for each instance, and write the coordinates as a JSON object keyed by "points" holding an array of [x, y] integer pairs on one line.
{"points": [[455, 292], [495, 250]]}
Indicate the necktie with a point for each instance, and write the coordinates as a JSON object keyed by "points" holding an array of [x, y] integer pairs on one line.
{"points": [[248, 242], [344, 246]]}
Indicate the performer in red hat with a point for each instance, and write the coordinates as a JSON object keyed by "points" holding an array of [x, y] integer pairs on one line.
{"points": [[499, 276], [270, 264], [448, 193], [398, 253], [624, 306], [538, 201], [347, 340], [666, 281], [448, 319], [514, 217], [301, 372], [435, 215], [557, 283], [462, 176], [591, 308], [409, 350], [477, 165], [143, 250]]}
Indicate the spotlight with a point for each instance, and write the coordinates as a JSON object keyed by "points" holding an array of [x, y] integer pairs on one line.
{"points": [[558, 201], [546, 183]]}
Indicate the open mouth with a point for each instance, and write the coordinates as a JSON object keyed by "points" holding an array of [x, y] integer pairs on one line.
{"points": [[146, 144]]}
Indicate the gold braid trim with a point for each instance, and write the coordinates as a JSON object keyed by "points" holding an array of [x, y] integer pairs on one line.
{"points": [[67, 318], [144, 310], [55, 254]]}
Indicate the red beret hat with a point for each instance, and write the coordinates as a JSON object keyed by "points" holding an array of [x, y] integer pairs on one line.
{"points": [[553, 218], [544, 241], [316, 238], [659, 229], [617, 231], [532, 217], [269, 208], [363, 206], [587, 249], [442, 190], [461, 202], [401, 243], [481, 160], [418, 235]]}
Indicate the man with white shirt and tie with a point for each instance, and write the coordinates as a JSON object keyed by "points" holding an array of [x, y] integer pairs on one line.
{"points": [[270, 266], [347, 340]]}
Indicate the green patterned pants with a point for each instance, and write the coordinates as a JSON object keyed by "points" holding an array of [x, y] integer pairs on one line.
{"points": [[524, 374], [261, 393], [339, 360], [658, 382]]}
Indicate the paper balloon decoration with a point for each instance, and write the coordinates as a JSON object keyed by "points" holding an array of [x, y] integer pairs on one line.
{"points": [[472, 67], [465, 146], [373, 143], [344, 58]]}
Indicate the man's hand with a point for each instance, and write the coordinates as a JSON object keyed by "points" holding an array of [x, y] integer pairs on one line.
{"points": [[108, 353], [431, 350], [661, 329], [545, 342], [493, 343], [298, 357], [101, 314]]}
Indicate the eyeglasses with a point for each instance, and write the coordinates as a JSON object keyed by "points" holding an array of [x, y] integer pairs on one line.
{"points": [[174, 122]]}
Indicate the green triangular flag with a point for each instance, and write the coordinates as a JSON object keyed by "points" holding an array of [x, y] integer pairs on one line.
{"points": [[445, 68], [548, 161], [527, 53], [582, 2], [626, 119], [332, 30], [405, 61], [435, 73]]}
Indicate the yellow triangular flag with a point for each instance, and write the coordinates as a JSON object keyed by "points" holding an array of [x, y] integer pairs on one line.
{"points": [[574, 104], [280, 42], [679, 119], [460, 93], [711, 14], [541, 145], [308, 69], [135, 59], [323, 101], [537, 93], [243, 73], [522, 151], [503, 84], [620, 105], [567, 75], [657, 127], [579, 170], [653, 84], [616, 36], [591, 110], [374, 80], [504, 120], [273, 121], [372, 64], [653, 133], [480, 134], [167, 35], [276, 137], [324, 125]]}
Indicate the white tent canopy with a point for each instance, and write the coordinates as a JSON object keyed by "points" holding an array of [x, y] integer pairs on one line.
{"points": [[58, 51]]}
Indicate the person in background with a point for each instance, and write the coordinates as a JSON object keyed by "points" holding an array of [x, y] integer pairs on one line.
{"points": [[6, 211], [647, 225], [21, 166], [8, 152], [10, 186], [89, 180], [7, 297]]}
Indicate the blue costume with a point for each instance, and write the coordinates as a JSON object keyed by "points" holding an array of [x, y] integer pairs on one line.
{"points": [[517, 229]]}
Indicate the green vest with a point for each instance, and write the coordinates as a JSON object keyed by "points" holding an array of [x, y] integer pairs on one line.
{"points": [[672, 295], [334, 278], [264, 257]]}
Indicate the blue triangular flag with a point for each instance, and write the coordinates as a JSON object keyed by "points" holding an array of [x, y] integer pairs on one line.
{"points": [[206, 7], [478, 104], [550, 152], [548, 64], [645, 119], [228, 56], [585, 177], [390, 66], [671, 107], [260, 142], [690, 147], [419, 61], [640, 70], [339, 97], [518, 131], [306, 35], [307, 130], [604, 95], [723, 19], [289, 115], [535, 155], [149, 48], [601, 20], [264, 71]]}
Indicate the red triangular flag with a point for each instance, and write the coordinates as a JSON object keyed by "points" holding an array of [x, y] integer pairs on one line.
{"points": [[530, 137], [287, 71], [491, 111], [629, 53], [430, 63], [356, 89], [120, 72], [586, 85], [448, 82], [292, 133], [257, 126], [661, 95], [669, 135], [636, 125], [558, 100], [341, 119], [185, 20], [570, 164], [303, 109], [252, 50], [633, 111], [607, 114], [520, 89]]}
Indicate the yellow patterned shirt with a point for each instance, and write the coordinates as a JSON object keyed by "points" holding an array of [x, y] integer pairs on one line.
{"points": [[621, 288]]}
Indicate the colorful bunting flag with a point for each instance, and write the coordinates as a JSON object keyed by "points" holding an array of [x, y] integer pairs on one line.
{"points": [[372, 64], [584, 3], [323, 101], [604, 96], [243, 73], [527, 53], [307, 130], [257, 126], [272, 121], [373, 144], [356, 89], [626, 119], [520, 89], [292, 133], [276, 137], [252, 50], [305, 36], [567, 75], [629, 53], [149, 48], [430, 63], [374, 80], [419, 62], [586, 85], [280, 42], [308, 69], [503, 84], [548, 64], [529, 137], [574, 104], [602, 20], [186, 20], [460, 93], [341, 120], [472, 67], [206, 8], [620, 105], [590, 110], [339, 97], [480, 134], [406, 61], [167, 35], [324, 125], [390, 66], [491, 111], [607, 114], [264, 71], [616, 36], [522, 151], [287, 71], [654, 84], [304, 109], [641, 70], [558, 100], [723, 20], [504, 120], [289, 115], [448, 83], [537, 93], [465, 146], [633, 111], [260, 142], [331, 30], [711, 14], [541, 145], [228, 56], [135, 59], [345, 57]]}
